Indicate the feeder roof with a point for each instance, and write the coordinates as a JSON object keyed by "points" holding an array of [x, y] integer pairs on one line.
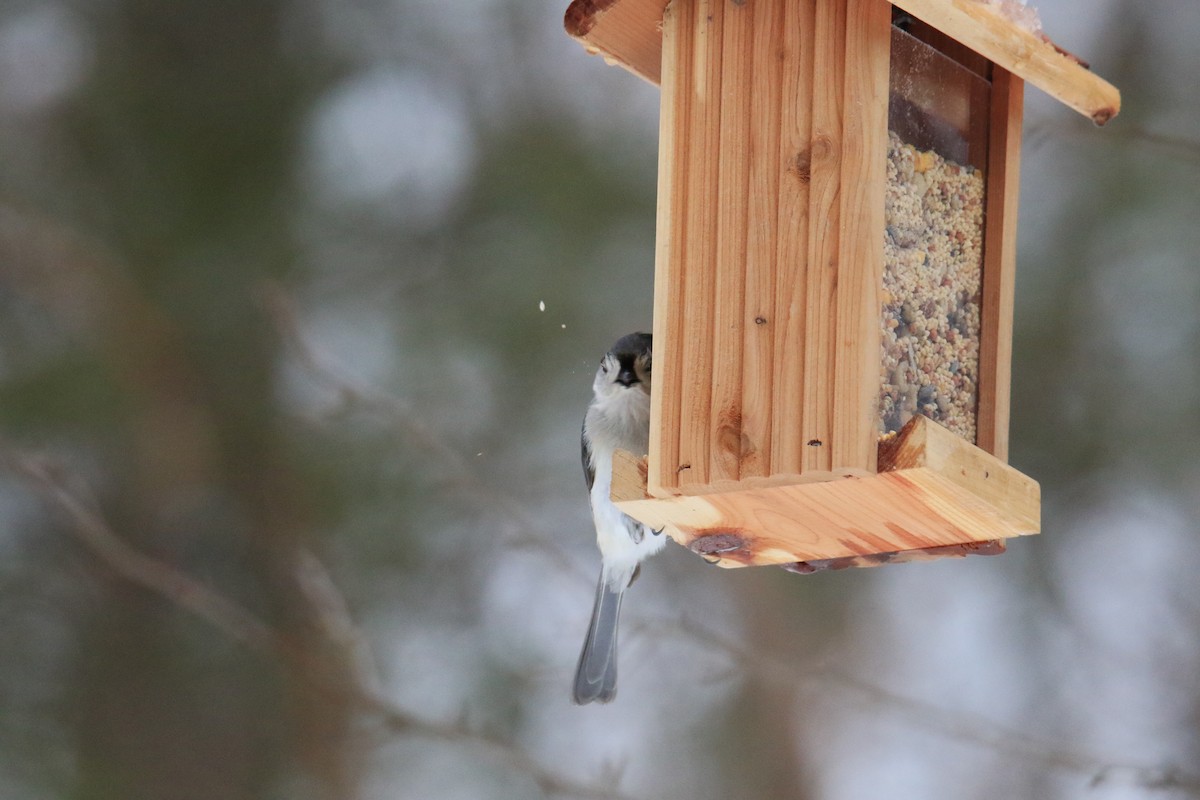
{"points": [[629, 33]]}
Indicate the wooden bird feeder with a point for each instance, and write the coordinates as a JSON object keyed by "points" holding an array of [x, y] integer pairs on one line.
{"points": [[833, 290]]}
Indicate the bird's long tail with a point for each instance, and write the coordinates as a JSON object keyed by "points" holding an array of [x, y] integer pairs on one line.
{"points": [[596, 677]]}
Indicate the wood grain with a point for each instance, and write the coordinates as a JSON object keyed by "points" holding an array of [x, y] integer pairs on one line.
{"points": [[991, 548], [700, 142], [792, 173], [626, 32], [731, 267], [999, 263], [760, 324], [670, 247], [860, 241], [942, 491], [821, 271], [923, 444]]}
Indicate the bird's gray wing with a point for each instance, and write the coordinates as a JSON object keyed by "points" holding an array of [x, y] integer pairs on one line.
{"points": [[589, 471]]}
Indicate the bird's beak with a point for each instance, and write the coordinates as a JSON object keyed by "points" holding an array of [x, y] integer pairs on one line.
{"points": [[627, 378]]}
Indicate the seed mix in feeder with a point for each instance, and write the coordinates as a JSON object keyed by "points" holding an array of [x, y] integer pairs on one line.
{"points": [[933, 264]]}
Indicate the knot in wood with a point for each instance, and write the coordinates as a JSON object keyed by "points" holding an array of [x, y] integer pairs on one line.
{"points": [[822, 147], [713, 544], [729, 431], [801, 166]]}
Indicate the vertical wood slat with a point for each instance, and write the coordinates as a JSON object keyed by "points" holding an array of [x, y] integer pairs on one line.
{"points": [[791, 230], [824, 157], [670, 251], [699, 212], [732, 268], [760, 324], [999, 262], [860, 243]]}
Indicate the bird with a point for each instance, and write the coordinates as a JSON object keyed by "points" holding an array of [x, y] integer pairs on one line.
{"points": [[618, 417]]}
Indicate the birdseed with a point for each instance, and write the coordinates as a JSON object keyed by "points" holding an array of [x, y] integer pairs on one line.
{"points": [[933, 265]]}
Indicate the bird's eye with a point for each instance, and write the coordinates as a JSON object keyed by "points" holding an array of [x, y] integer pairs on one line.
{"points": [[604, 366]]}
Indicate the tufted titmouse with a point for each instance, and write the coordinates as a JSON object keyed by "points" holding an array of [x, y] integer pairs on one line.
{"points": [[618, 417]]}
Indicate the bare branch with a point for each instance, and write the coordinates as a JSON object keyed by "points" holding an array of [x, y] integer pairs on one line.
{"points": [[1042, 131], [399, 413], [332, 614], [243, 626], [401, 721], [960, 726], [91, 530], [1172, 146]]}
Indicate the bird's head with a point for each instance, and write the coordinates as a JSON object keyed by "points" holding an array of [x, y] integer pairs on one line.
{"points": [[625, 367]]}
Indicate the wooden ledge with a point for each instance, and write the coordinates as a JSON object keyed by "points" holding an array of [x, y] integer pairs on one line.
{"points": [[1034, 58], [628, 33], [933, 490]]}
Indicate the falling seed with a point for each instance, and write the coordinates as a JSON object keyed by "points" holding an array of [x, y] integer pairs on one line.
{"points": [[541, 305]]}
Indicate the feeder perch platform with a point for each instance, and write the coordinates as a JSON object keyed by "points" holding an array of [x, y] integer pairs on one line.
{"points": [[935, 494]]}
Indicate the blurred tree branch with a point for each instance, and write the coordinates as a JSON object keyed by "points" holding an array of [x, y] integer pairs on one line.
{"points": [[1178, 148], [399, 414], [239, 624], [953, 724], [91, 530]]}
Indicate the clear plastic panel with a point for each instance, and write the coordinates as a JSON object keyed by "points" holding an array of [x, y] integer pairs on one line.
{"points": [[933, 242]]}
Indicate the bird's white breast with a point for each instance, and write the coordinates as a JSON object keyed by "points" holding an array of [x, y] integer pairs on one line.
{"points": [[620, 420]]}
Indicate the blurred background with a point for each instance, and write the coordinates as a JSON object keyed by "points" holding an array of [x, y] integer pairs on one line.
{"points": [[290, 503]]}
